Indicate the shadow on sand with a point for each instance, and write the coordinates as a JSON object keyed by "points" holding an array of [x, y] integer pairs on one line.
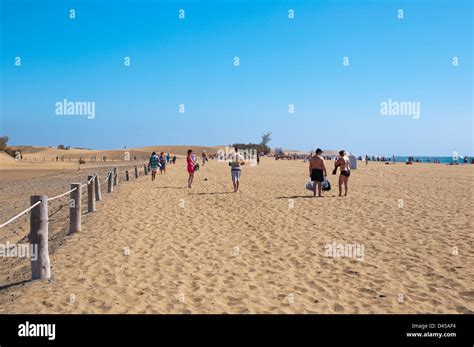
{"points": [[295, 197], [6, 286], [212, 193]]}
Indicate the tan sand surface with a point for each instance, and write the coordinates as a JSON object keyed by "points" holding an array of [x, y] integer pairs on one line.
{"points": [[43, 161], [159, 247]]}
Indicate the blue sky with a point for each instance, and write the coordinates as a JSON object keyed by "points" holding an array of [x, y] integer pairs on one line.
{"points": [[282, 62]]}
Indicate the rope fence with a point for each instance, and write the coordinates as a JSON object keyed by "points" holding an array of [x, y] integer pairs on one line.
{"points": [[20, 214], [61, 195], [41, 267]]}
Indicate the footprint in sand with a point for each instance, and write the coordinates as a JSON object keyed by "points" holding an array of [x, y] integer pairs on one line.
{"points": [[468, 295]]}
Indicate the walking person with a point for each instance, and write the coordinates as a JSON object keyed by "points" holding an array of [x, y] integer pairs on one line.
{"points": [[235, 163], [345, 171], [190, 166], [153, 164], [162, 160], [317, 171]]}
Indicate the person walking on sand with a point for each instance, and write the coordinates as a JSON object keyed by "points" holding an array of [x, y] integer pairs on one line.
{"points": [[190, 166], [235, 163], [154, 164], [168, 158], [162, 160], [343, 163], [317, 171]]}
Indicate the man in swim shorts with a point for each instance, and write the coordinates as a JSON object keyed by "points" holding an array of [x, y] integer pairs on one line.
{"points": [[317, 171]]}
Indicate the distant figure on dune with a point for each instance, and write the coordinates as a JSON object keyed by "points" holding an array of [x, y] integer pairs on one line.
{"points": [[162, 160], [317, 171], [167, 158], [174, 159], [343, 163], [235, 163], [190, 166], [154, 164], [204, 158]]}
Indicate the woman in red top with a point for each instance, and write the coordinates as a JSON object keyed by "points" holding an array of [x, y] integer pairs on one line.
{"points": [[190, 166]]}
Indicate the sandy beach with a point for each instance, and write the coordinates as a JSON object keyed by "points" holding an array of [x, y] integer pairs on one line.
{"points": [[159, 247]]}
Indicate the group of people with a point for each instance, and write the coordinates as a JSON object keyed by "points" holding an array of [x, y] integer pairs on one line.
{"points": [[318, 172], [235, 161], [317, 169], [159, 162]]}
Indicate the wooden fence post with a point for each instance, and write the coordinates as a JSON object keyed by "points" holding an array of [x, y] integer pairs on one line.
{"points": [[75, 206], [127, 177], [98, 193], [110, 182], [90, 194], [40, 264], [145, 169], [115, 176], [136, 171]]}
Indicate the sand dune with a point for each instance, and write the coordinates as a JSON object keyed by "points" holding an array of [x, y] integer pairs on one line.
{"points": [[39, 153], [5, 158], [206, 249], [40, 161]]}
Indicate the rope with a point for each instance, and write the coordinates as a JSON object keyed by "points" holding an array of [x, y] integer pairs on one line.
{"points": [[60, 195], [21, 213], [89, 182], [106, 179], [92, 178], [51, 199]]}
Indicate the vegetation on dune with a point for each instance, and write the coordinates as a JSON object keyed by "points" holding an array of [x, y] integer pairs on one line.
{"points": [[261, 147], [4, 146]]}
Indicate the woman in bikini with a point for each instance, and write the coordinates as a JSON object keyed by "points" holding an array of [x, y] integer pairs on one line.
{"points": [[190, 166], [343, 163]]}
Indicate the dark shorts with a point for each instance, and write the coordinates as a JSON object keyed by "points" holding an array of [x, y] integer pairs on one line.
{"points": [[317, 175], [346, 173]]}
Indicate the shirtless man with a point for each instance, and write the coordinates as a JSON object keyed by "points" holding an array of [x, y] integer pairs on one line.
{"points": [[317, 171], [343, 163]]}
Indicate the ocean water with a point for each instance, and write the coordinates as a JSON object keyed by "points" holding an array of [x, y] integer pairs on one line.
{"points": [[422, 159]]}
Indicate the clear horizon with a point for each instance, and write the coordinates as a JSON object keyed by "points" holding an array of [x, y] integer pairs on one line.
{"points": [[461, 155], [404, 89]]}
